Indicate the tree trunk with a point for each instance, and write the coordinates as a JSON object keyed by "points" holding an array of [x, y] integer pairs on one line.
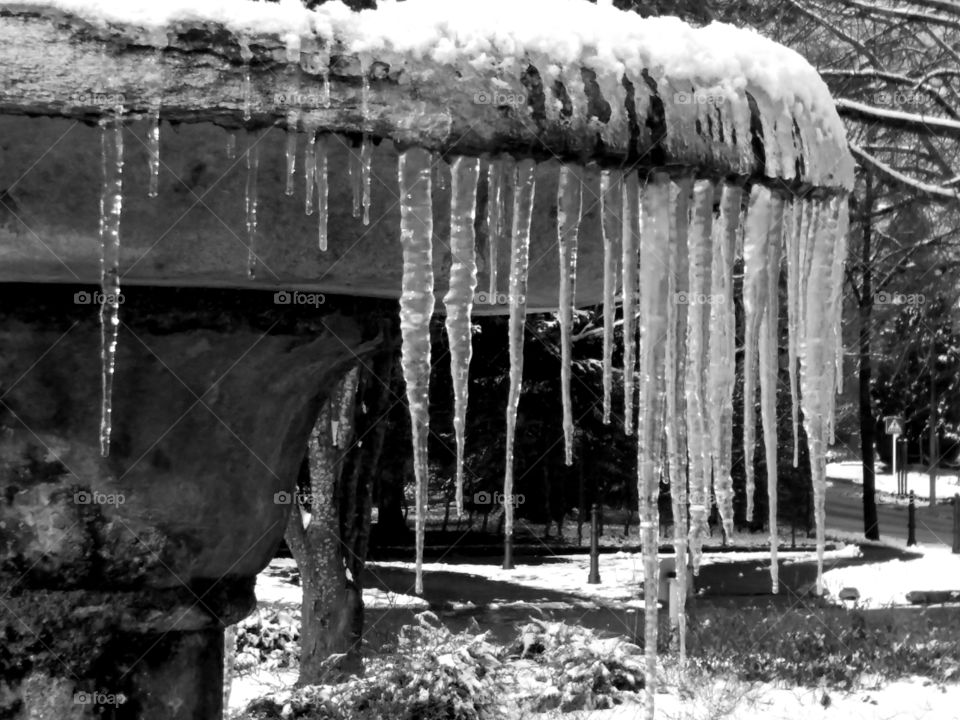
{"points": [[933, 421], [871, 526]]}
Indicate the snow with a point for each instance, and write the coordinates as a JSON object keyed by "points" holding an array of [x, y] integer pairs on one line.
{"points": [[919, 482], [720, 57]]}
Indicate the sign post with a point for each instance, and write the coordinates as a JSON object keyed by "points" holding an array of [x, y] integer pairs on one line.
{"points": [[894, 427]]}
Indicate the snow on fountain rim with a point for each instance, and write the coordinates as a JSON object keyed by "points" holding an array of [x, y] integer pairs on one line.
{"points": [[607, 40]]}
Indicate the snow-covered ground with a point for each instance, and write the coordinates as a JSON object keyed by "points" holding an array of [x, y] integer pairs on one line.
{"points": [[948, 483]]}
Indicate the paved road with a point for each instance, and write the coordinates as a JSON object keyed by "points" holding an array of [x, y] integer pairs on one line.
{"points": [[845, 512]]}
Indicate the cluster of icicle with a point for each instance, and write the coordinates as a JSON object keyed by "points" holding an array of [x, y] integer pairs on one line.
{"points": [[670, 244]]}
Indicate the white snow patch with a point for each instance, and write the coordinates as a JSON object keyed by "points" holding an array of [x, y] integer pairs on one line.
{"points": [[918, 481]]}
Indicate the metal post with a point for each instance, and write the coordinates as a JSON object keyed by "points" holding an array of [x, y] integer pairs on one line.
{"points": [[894, 468], [594, 578], [956, 524], [508, 552], [912, 521], [902, 477]]}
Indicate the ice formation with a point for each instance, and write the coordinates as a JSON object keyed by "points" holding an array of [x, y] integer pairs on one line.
{"points": [[500, 169], [310, 174], [416, 309], [459, 298], [629, 241], [250, 200], [323, 189], [366, 159], [569, 204], [111, 205], [291, 160], [610, 203], [153, 151]]}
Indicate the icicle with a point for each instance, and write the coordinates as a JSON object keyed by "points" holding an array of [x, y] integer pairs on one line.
{"points": [[754, 300], [793, 236], [355, 170], [231, 146], [366, 160], [496, 175], [459, 298], [111, 205], [440, 164], [629, 242], [569, 206], [721, 374], [674, 364], [769, 367], [246, 55], [310, 173], [416, 309], [291, 153], [153, 150], [817, 355], [250, 202], [320, 169], [525, 183], [610, 200], [654, 244], [699, 245]]}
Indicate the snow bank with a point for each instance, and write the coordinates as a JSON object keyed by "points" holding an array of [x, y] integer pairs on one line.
{"points": [[499, 32]]}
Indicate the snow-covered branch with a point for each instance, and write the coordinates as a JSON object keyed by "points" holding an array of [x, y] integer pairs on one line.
{"points": [[934, 191], [916, 122]]}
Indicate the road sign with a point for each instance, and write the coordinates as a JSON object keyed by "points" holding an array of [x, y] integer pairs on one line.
{"points": [[893, 424]]}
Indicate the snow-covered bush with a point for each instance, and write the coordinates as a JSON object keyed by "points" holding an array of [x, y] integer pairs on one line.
{"points": [[268, 639]]}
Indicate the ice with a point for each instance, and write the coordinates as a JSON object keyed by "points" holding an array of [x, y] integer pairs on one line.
{"points": [[754, 292], [654, 263], [153, 150], [355, 170], [366, 160], [674, 362], [247, 91], [291, 158], [721, 373], [416, 309], [525, 184], [629, 239], [699, 247], [111, 205], [793, 235], [320, 171], [459, 298], [231, 146], [569, 206], [250, 201], [310, 174], [498, 172], [610, 203], [769, 368]]}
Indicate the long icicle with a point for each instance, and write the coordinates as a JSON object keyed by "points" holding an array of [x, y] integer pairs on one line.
{"points": [[495, 194], [366, 161], [754, 290], [459, 298], [769, 368], [310, 174], [153, 150], [629, 244], [654, 261], [250, 201], [793, 236], [699, 246], [291, 158], [721, 372], [569, 207], [610, 203], [416, 309], [519, 264], [355, 172], [111, 206], [321, 172], [674, 364]]}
